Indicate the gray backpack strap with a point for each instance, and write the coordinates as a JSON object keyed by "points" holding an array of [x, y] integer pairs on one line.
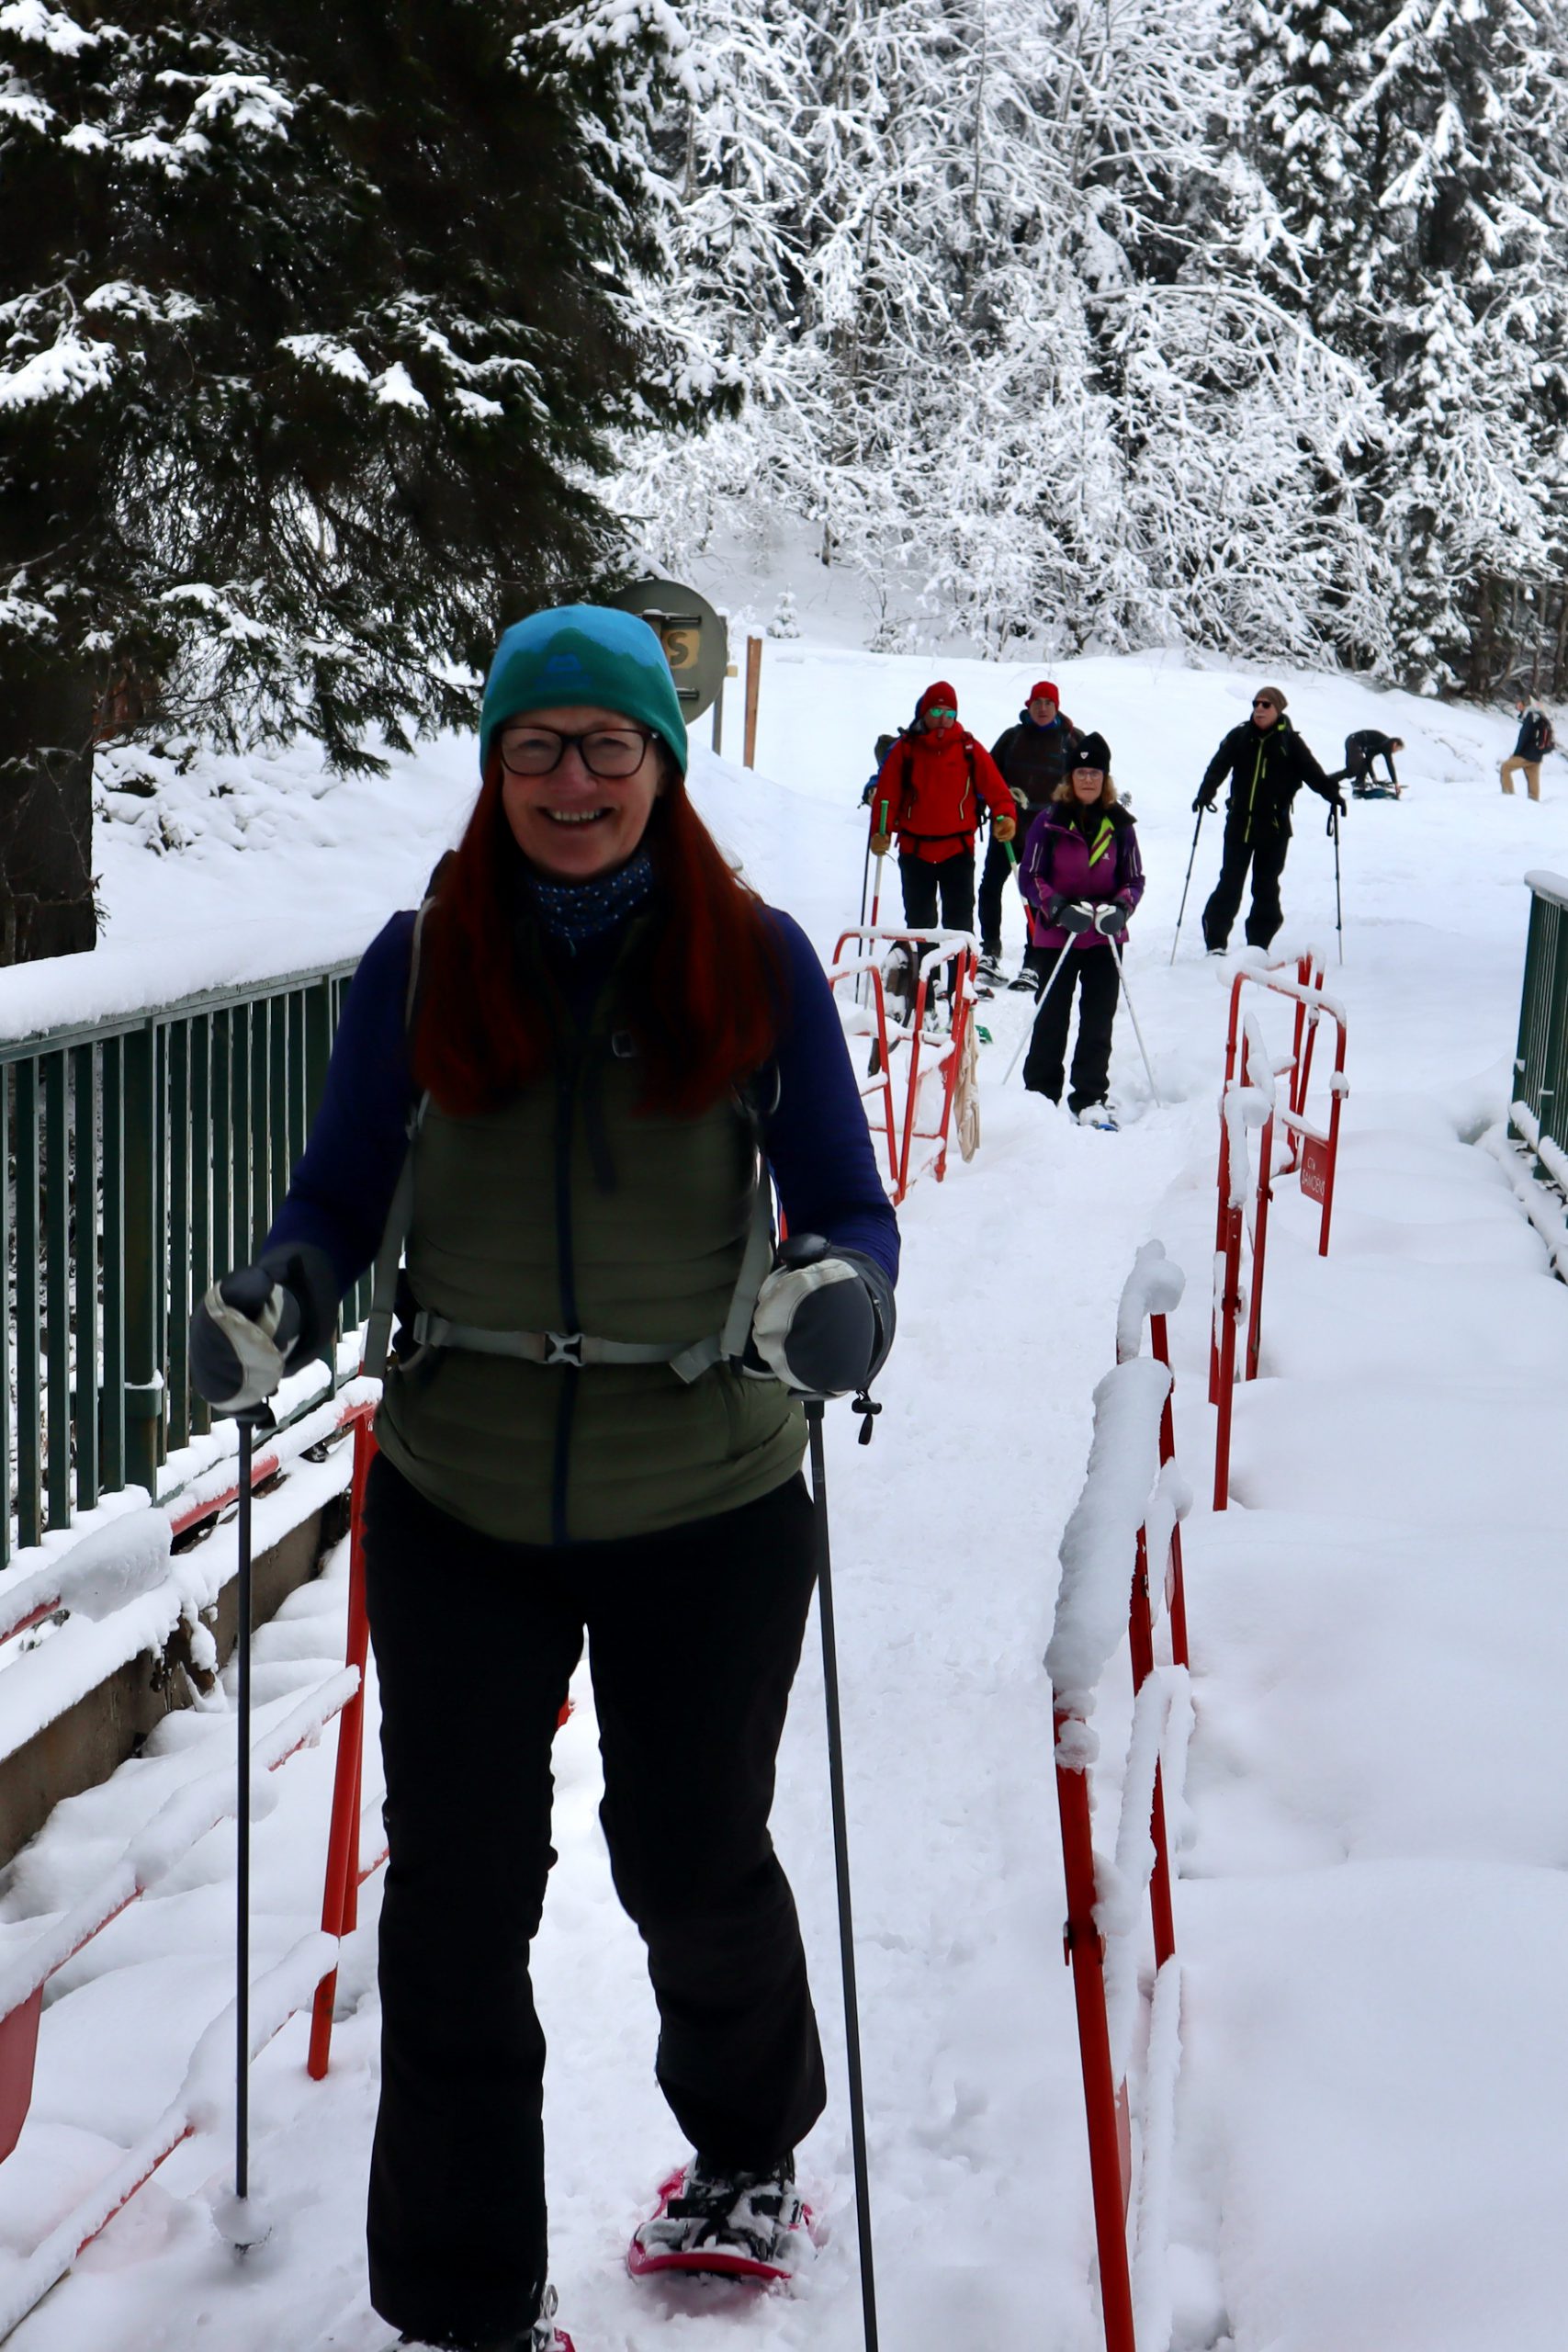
{"points": [[729, 1345]]}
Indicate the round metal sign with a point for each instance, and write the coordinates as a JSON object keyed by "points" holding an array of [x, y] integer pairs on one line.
{"points": [[696, 641]]}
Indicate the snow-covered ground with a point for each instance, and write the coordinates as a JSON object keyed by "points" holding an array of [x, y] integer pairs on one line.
{"points": [[1372, 1912]]}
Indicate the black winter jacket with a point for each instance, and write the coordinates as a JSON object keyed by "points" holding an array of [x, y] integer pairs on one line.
{"points": [[1534, 734], [1033, 759], [1267, 767]]}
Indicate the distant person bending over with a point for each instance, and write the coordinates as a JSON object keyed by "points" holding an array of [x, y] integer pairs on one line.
{"points": [[1032, 758], [1081, 877], [1267, 763], [1362, 750], [1536, 738], [933, 784]]}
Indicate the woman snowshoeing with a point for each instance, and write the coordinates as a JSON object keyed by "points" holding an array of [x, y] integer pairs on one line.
{"points": [[589, 1052], [1082, 876]]}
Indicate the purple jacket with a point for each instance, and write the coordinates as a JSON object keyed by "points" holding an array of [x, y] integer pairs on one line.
{"points": [[1059, 861]]}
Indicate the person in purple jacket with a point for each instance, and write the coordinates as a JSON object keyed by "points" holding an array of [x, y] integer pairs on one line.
{"points": [[565, 1095], [1081, 877]]}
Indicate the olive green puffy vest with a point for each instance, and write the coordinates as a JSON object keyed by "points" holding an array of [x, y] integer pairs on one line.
{"points": [[565, 1211]]}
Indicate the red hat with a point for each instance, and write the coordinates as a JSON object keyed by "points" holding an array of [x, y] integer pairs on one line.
{"points": [[1044, 687], [941, 696]]}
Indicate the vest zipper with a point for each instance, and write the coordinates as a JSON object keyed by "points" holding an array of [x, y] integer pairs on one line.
{"points": [[566, 1409]]}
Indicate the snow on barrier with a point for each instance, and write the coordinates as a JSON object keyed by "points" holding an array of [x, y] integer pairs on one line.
{"points": [[308, 1976], [922, 1061], [1128, 1515], [1249, 1100]]}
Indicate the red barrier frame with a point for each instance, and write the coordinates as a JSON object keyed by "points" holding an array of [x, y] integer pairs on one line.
{"points": [[933, 950], [1106, 2105], [1312, 1157]]}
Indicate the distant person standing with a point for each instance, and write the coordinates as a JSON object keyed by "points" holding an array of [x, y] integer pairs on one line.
{"points": [[932, 786], [1536, 738], [1032, 757], [1081, 878], [1362, 750], [1266, 762]]}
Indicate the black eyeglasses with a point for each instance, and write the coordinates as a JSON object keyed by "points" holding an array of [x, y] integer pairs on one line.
{"points": [[608, 752], [1261, 702]]}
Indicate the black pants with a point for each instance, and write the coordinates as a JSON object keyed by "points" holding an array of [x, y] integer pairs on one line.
{"points": [[693, 1639], [1266, 854], [953, 881], [993, 882], [1092, 971]]}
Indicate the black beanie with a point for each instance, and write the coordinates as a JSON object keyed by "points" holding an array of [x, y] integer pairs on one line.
{"points": [[1094, 751]]}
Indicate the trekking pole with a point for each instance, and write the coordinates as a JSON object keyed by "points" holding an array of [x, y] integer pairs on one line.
{"points": [[880, 856], [864, 886], [1338, 908], [841, 1865], [1056, 970], [1197, 828], [258, 1418], [1121, 978]]}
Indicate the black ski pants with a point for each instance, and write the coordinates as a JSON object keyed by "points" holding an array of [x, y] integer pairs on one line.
{"points": [[993, 883], [953, 882], [1092, 972], [1266, 854], [694, 1637]]}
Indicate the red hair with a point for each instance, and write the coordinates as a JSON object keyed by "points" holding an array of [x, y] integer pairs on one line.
{"points": [[707, 988]]}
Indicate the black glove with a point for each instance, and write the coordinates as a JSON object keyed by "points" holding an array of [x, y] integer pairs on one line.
{"points": [[1112, 916], [1206, 799], [824, 1317], [1073, 915], [259, 1322]]}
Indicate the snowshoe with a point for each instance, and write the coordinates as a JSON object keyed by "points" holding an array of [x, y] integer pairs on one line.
{"points": [[724, 2225], [1027, 979], [990, 965], [1098, 1115]]}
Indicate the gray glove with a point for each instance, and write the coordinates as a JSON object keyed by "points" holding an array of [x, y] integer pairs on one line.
{"points": [[257, 1323], [824, 1317], [1112, 916]]}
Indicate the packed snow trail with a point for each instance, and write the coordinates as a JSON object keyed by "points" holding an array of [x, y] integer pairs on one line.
{"points": [[1299, 2203]]}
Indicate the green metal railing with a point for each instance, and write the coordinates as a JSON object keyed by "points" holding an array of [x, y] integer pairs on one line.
{"points": [[142, 1156], [1540, 1063]]}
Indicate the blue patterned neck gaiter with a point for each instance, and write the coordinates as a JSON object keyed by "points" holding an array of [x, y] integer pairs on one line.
{"points": [[575, 913]]}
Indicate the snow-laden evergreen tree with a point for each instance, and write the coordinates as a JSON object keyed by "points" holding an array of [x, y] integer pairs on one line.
{"points": [[1416, 152], [315, 335], [983, 268]]}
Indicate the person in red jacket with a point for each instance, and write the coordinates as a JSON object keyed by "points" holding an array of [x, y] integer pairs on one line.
{"points": [[929, 792]]}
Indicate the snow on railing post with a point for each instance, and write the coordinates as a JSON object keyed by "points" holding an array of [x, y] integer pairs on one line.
{"points": [[1127, 1515]]}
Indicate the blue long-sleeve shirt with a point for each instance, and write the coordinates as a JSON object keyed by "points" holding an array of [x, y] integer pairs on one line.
{"points": [[815, 1137]]}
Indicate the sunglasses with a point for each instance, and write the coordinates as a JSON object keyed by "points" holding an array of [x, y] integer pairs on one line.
{"points": [[1261, 702], [940, 710]]}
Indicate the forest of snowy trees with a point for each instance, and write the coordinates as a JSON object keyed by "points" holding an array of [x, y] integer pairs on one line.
{"points": [[1103, 322], [332, 336]]}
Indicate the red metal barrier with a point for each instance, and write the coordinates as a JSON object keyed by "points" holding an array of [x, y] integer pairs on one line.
{"points": [[1250, 1100], [929, 1052], [1130, 1511]]}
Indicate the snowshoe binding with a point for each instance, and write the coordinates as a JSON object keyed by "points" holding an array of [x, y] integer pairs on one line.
{"points": [[725, 2224], [1098, 1115]]}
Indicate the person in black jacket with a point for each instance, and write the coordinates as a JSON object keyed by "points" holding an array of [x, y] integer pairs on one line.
{"points": [[1362, 752], [1535, 740], [1034, 757], [1267, 763]]}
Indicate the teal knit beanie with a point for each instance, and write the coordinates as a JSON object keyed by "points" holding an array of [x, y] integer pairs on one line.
{"points": [[583, 653]]}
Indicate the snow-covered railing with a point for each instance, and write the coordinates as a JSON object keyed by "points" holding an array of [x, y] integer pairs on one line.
{"points": [[909, 1060], [308, 1976], [1127, 1516], [143, 1152], [1249, 1102], [1538, 1113]]}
